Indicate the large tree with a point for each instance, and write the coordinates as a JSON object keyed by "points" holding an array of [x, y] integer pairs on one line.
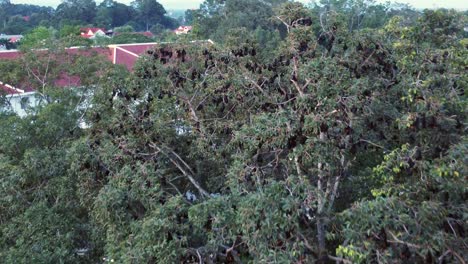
{"points": [[78, 10], [343, 146], [113, 14], [273, 151], [216, 17], [150, 12]]}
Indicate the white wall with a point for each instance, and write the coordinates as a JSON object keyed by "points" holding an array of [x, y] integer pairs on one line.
{"points": [[19, 103]]}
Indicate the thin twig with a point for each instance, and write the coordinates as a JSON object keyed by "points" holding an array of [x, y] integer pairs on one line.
{"points": [[345, 261], [398, 241]]}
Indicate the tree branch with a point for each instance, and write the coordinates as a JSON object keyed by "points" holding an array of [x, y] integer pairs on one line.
{"points": [[187, 172]]}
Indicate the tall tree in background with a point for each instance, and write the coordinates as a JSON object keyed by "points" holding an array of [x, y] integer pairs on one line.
{"points": [[219, 19], [20, 18], [4, 6], [359, 14], [150, 12], [189, 16], [77, 10], [113, 14], [216, 17]]}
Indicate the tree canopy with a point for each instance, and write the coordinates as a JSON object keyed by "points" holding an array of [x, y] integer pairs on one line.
{"points": [[344, 141]]}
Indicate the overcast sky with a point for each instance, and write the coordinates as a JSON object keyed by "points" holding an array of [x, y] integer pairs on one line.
{"points": [[184, 4]]}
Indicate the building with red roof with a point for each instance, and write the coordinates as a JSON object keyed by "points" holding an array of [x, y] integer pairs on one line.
{"points": [[23, 94], [121, 54], [11, 38], [183, 30], [128, 54], [9, 54], [91, 33], [17, 100], [9, 89]]}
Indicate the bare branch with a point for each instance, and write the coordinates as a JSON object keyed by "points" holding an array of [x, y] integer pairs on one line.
{"points": [[187, 172], [284, 22], [398, 241]]}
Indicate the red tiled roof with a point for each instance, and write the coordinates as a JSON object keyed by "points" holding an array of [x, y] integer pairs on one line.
{"points": [[94, 51], [123, 54], [125, 58], [138, 49], [183, 29], [5, 90], [8, 89], [14, 39], [9, 54], [67, 81], [85, 31], [128, 54]]}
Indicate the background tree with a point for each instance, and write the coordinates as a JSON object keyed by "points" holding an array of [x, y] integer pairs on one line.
{"points": [[214, 17], [124, 29], [189, 16], [114, 14], [4, 11], [38, 38], [130, 37], [20, 18], [79, 10], [149, 12], [16, 25]]}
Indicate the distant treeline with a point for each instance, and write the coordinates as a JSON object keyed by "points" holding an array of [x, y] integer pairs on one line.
{"points": [[142, 15]]}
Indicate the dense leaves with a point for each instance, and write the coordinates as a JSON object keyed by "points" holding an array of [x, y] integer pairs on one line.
{"points": [[344, 145]]}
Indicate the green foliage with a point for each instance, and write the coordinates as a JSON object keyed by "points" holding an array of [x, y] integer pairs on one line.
{"points": [[70, 37], [124, 29], [40, 215], [157, 29], [16, 25], [419, 210], [113, 14], [125, 38], [215, 18], [344, 144], [80, 10], [150, 12], [69, 30], [142, 15], [37, 38]]}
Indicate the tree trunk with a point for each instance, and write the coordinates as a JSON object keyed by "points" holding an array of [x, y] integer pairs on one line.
{"points": [[321, 236]]}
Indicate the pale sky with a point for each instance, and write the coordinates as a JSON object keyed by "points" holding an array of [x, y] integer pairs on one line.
{"points": [[185, 4]]}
